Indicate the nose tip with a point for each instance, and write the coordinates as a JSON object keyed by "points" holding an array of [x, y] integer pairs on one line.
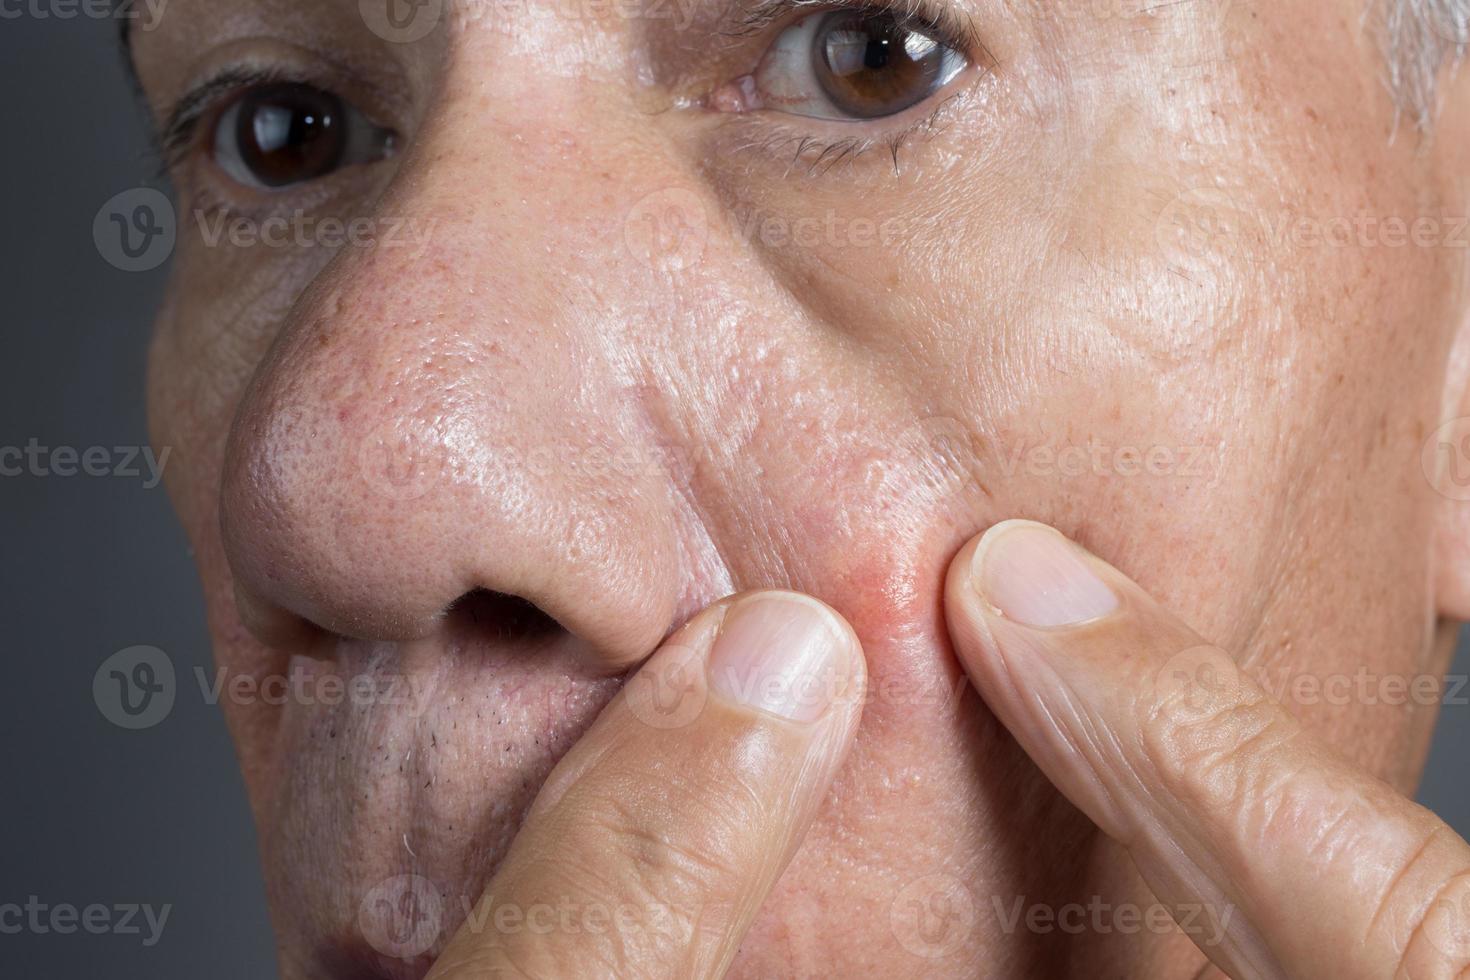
{"points": [[377, 477], [437, 422], [317, 533]]}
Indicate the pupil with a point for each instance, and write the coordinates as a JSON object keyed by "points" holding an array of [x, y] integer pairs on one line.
{"points": [[289, 133], [873, 65], [876, 55]]}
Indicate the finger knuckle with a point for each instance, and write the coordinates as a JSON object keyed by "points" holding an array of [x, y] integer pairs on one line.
{"points": [[674, 845], [490, 962], [1212, 750], [541, 958], [583, 917], [688, 858]]}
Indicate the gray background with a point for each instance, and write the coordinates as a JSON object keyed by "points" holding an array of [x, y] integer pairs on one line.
{"points": [[93, 813]]}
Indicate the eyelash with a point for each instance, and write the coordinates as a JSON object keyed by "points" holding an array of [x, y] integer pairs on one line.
{"points": [[820, 155], [824, 153], [931, 15], [206, 101]]}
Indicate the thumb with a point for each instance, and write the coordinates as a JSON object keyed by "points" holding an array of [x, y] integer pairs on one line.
{"points": [[1303, 864], [654, 842]]}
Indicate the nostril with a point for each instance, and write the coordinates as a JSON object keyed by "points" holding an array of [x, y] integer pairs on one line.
{"points": [[503, 617]]}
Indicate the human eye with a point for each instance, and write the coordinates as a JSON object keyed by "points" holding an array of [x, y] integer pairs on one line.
{"points": [[857, 64], [270, 134], [283, 134]]}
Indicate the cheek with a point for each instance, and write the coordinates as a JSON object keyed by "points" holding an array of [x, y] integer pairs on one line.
{"points": [[224, 309], [221, 313]]}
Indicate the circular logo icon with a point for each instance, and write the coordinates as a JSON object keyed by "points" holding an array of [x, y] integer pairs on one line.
{"points": [[1196, 682], [670, 691], [401, 21], [668, 229], [134, 688], [1447, 924], [933, 916], [135, 230], [399, 463], [871, 487], [1199, 228], [940, 447], [402, 916], [1445, 458]]}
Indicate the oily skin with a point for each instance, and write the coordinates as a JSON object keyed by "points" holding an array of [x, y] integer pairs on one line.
{"points": [[835, 419]]}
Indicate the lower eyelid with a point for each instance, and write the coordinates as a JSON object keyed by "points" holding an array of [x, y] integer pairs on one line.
{"points": [[830, 148], [214, 197]]}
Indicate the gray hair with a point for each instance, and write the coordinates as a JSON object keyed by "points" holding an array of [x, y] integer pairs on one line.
{"points": [[1422, 36]]}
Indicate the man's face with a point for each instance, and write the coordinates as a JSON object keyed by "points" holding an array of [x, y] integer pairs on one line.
{"points": [[641, 304]]}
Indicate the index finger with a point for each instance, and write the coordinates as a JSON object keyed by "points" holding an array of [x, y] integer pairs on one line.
{"points": [[1308, 865]]}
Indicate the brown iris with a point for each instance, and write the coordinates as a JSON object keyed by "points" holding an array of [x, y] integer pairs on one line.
{"points": [[873, 65], [287, 133]]}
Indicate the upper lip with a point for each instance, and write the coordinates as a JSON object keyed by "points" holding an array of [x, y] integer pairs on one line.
{"points": [[431, 780]]}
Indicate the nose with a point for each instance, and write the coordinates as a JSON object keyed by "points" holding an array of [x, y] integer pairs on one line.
{"points": [[463, 413]]}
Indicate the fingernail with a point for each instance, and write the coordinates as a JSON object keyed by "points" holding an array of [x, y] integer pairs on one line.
{"points": [[1036, 577], [783, 653]]}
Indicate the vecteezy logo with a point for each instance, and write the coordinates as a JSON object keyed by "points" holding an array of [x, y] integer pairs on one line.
{"points": [[134, 688], [1196, 683], [933, 916], [667, 229], [1445, 458], [135, 230], [1447, 924], [938, 449], [401, 462], [401, 21], [670, 691], [402, 916], [1199, 229]]}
